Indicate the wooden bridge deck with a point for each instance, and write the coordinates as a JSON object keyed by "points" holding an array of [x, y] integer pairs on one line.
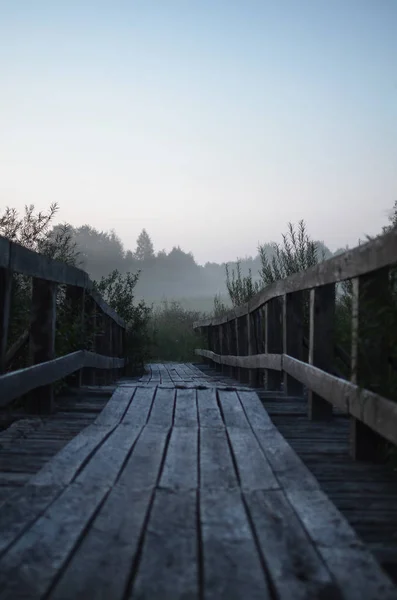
{"points": [[182, 487]]}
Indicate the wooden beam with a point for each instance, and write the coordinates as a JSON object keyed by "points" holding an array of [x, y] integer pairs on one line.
{"points": [[254, 375], [42, 338], [273, 341], [258, 361], [243, 374], [321, 344], [218, 344], [373, 410], [38, 266], [293, 337], [371, 296], [5, 299], [19, 259], [17, 383], [75, 299], [90, 327]]}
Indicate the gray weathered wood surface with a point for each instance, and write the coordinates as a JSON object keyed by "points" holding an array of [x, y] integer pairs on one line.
{"points": [[181, 488]]}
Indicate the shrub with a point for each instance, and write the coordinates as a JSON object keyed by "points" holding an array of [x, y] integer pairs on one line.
{"points": [[172, 333], [118, 291]]}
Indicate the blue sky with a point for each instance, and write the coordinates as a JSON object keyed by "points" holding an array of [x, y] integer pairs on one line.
{"points": [[210, 123]]}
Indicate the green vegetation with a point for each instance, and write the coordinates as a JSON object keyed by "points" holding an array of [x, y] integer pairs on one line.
{"points": [[172, 333], [35, 231]]}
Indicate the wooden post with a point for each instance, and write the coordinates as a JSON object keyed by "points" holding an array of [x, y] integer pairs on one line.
{"points": [[218, 345], [109, 328], [229, 346], [75, 298], [222, 345], [273, 341], [236, 346], [369, 356], [89, 375], [5, 299], [101, 345], [254, 375], [117, 345], [42, 339], [293, 337], [123, 349], [321, 344], [243, 346], [210, 343]]}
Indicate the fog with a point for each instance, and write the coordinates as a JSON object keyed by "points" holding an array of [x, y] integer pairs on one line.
{"points": [[211, 124]]}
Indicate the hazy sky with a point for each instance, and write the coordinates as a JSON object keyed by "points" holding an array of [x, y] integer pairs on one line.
{"points": [[211, 123]]}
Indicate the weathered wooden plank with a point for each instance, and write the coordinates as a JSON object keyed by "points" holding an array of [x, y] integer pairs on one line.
{"points": [[139, 408], [101, 566], [64, 466], [293, 337], [254, 469], [208, 409], [29, 567], [186, 408], [33, 264], [371, 300], [21, 510], [163, 408], [257, 361], [5, 298], [46, 533], [180, 469], [373, 410], [341, 549], [321, 344], [255, 411], [231, 564], [172, 572], [294, 566], [105, 465], [17, 383], [287, 466], [142, 467], [216, 464], [358, 574], [232, 410], [42, 339], [274, 340], [116, 407]]}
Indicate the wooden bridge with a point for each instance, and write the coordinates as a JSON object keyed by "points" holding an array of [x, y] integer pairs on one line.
{"points": [[187, 482]]}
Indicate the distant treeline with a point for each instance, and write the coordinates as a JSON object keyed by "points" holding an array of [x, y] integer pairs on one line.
{"points": [[163, 275]]}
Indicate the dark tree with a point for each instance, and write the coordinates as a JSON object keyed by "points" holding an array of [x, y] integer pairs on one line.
{"points": [[144, 246]]}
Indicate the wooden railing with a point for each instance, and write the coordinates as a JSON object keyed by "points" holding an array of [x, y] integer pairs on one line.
{"points": [[93, 314], [266, 337]]}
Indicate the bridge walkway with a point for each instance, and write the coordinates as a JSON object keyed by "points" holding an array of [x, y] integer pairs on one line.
{"points": [[182, 487]]}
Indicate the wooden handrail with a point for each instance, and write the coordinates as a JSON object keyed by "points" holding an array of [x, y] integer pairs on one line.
{"points": [[17, 259], [273, 321], [88, 307], [17, 383], [362, 260]]}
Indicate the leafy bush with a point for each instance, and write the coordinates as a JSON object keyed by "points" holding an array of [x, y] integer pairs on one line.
{"points": [[118, 291], [36, 232], [241, 288], [297, 253], [172, 333], [220, 307]]}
